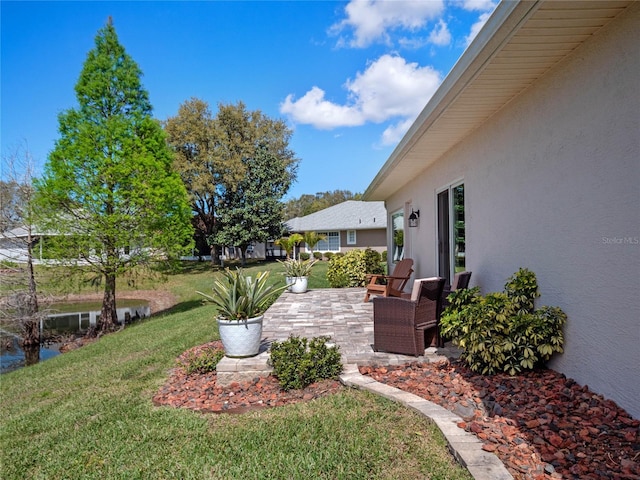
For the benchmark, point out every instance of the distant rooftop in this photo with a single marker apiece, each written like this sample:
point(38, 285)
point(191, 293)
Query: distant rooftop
point(349, 215)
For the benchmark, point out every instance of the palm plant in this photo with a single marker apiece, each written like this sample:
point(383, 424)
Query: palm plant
point(297, 268)
point(239, 297)
point(311, 239)
point(289, 243)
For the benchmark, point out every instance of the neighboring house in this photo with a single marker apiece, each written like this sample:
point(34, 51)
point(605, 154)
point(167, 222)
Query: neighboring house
point(346, 226)
point(13, 245)
point(528, 155)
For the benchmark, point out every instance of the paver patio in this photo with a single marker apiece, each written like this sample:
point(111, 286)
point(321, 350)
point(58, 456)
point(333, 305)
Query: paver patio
point(342, 315)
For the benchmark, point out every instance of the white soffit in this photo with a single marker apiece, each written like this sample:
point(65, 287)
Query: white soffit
point(518, 45)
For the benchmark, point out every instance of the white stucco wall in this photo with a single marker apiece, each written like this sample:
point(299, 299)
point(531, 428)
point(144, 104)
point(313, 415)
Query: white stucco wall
point(552, 183)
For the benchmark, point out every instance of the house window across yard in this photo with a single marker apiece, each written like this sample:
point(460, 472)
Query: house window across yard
point(331, 242)
point(351, 237)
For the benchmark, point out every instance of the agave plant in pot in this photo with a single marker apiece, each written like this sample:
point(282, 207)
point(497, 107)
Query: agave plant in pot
point(241, 301)
point(297, 273)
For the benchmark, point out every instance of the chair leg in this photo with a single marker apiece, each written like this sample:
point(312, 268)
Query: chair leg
point(431, 337)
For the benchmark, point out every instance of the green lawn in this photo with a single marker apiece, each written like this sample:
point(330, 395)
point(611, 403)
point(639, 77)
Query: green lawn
point(88, 414)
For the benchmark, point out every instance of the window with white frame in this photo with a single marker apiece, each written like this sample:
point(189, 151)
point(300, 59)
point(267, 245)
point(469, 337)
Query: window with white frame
point(351, 237)
point(331, 243)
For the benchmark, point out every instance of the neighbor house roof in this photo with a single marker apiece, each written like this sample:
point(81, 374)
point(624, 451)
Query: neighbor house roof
point(23, 232)
point(349, 215)
point(520, 42)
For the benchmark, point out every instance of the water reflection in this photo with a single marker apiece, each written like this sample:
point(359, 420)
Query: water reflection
point(67, 321)
point(13, 357)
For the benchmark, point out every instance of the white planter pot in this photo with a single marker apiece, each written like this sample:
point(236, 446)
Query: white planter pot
point(241, 339)
point(299, 284)
point(289, 281)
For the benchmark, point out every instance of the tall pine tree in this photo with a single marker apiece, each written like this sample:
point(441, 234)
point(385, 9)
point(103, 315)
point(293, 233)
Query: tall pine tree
point(109, 191)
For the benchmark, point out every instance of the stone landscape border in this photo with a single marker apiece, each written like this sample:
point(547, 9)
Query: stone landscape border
point(465, 447)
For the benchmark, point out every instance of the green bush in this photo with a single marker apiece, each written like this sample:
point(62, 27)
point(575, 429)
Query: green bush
point(351, 269)
point(504, 332)
point(298, 362)
point(304, 255)
point(204, 361)
point(383, 256)
point(317, 255)
point(328, 255)
point(372, 261)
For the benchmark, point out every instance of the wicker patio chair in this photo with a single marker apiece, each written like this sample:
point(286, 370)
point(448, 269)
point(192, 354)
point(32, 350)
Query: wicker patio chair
point(460, 281)
point(394, 282)
point(400, 325)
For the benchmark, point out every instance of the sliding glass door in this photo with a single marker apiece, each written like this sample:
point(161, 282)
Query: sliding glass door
point(451, 231)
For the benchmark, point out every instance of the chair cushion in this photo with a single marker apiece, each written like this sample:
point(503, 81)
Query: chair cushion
point(415, 293)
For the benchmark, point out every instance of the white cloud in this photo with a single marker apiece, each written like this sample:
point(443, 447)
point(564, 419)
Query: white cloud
point(440, 34)
point(476, 27)
point(313, 109)
point(479, 5)
point(394, 133)
point(389, 88)
point(371, 19)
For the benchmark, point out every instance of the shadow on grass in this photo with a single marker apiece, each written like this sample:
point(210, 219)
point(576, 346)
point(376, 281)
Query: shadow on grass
point(192, 266)
point(181, 307)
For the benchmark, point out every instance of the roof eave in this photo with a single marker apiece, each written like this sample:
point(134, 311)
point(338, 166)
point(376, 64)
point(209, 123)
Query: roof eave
point(498, 28)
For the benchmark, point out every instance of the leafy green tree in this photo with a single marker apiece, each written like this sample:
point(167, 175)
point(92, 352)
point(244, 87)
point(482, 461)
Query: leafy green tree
point(109, 189)
point(308, 204)
point(259, 168)
point(217, 158)
point(192, 136)
point(252, 212)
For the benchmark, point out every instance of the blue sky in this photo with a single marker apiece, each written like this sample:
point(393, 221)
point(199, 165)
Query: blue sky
point(348, 77)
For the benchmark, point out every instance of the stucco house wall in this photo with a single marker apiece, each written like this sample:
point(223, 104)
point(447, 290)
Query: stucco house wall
point(552, 183)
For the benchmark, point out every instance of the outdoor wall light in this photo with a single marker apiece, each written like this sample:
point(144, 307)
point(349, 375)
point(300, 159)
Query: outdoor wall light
point(414, 218)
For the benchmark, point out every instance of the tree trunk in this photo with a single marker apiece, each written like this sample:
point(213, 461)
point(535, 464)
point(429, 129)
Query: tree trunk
point(108, 314)
point(31, 354)
point(31, 332)
point(31, 325)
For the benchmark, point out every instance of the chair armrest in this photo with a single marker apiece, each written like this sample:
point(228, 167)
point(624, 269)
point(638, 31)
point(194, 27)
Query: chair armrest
point(394, 278)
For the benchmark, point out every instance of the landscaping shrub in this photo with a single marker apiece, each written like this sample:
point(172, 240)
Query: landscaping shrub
point(351, 269)
point(504, 332)
point(317, 255)
point(383, 256)
point(298, 362)
point(372, 261)
point(304, 255)
point(328, 255)
point(203, 361)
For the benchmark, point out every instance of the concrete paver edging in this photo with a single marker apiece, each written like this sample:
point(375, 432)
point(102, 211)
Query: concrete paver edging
point(465, 447)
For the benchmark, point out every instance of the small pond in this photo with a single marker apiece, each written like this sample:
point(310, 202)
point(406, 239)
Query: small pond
point(65, 321)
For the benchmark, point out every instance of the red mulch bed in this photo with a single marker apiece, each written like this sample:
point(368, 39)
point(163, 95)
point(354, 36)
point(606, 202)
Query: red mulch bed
point(540, 424)
point(200, 392)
